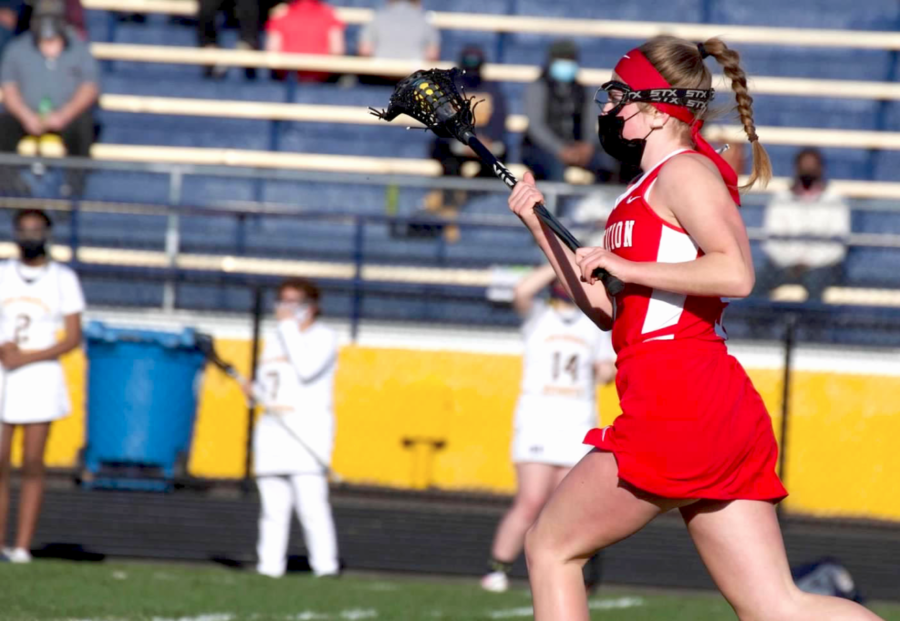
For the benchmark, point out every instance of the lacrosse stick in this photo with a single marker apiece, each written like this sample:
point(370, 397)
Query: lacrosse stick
point(432, 98)
point(206, 347)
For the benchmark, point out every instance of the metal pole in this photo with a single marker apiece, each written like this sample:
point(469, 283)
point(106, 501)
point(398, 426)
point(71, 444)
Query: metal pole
point(254, 361)
point(789, 337)
point(358, 253)
point(73, 230)
point(173, 239)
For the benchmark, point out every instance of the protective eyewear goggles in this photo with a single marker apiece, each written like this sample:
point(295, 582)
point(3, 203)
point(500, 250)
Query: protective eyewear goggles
point(617, 95)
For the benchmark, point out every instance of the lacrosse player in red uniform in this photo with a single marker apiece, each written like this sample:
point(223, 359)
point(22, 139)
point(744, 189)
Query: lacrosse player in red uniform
point(694, 434)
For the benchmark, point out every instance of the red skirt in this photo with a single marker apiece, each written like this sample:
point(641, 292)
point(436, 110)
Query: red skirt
point(692, 425)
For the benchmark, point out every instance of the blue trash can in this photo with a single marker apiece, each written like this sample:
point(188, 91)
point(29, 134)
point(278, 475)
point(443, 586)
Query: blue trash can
point(142, 393)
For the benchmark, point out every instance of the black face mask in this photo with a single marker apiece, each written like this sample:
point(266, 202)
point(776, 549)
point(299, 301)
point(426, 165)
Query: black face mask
point(808, 180)
point(32, 249)
point(610, 128)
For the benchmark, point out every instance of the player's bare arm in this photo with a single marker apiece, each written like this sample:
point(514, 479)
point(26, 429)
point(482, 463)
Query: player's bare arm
point(11, 357)
point(705, 210)
point(593, 301)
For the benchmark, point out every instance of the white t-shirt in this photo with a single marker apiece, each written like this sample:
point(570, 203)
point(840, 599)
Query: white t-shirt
point(826, 216)
point(34, 301)
point(560, 354)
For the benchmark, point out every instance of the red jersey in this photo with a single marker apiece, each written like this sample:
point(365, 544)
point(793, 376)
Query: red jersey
point(637, 233)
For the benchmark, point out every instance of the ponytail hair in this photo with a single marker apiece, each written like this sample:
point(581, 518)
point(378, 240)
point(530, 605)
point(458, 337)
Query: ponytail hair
point(731, 67)
point(680, 62)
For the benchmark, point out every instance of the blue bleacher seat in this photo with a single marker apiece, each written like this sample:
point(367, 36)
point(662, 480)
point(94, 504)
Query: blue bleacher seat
point(258, 90)
point(839, 163)
point(876, 221)
point(299, 239)
point(809, 111)
point(673, 11)
point(872, 267)
point(121, 292)
point(206, 191)
point(344, 197)
point(214, 297)
point(454, 41)
point(170, 130)
point(122, 230)
point(98, 25)
point(840, 14)
point(129, 187)
point(531, 49)
point(459, 6)
point(156, 31)
point(816, 63)
point(331, 94)
point(887, 166)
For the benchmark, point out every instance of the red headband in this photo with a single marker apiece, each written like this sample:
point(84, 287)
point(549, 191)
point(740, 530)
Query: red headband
point(640, 74)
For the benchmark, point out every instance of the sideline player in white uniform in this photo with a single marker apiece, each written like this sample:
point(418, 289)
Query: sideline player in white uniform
point(295, 382)
point(37, 298)
point(566, 356)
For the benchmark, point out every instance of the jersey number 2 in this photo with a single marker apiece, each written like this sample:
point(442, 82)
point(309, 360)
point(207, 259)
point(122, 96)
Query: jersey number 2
point(23, 322)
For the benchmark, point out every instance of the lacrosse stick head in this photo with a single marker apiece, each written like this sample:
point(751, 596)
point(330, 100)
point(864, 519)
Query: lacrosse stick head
point(433, 98)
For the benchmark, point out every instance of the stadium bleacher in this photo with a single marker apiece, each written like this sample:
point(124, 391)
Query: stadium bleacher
point(276, 237)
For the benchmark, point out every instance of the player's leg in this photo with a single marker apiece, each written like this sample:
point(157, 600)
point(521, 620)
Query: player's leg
point(740, 542)
point(559, 473)
point(535, 482)
point(6, 436)
point(591, 509)
point(275, 499)
point(32, 496)
point(314, 513)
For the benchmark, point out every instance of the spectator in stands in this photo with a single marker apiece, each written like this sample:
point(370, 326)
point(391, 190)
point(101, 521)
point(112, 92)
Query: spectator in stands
point(562, 119)
point(809, 208)
point(247, 14)
point(490, 124)
point(305, 27)
point(50, 84)
point(401, 29)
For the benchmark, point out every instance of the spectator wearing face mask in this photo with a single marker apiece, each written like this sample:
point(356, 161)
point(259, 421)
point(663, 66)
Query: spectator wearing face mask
point(808, 209)
point(562, 121)
point(456, 158)
point(490, 121)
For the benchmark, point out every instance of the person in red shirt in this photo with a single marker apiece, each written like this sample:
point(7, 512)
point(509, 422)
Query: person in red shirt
point(694, 434)
point(306, 27)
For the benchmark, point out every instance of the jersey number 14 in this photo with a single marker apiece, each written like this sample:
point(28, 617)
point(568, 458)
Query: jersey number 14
point(570, 368)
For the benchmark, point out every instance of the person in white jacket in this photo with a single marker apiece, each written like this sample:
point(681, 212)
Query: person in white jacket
point(293, 437)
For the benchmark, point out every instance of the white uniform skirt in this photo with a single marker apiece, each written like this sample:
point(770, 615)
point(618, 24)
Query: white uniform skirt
point(276, 451)
point(35, 393)
point(551, 430)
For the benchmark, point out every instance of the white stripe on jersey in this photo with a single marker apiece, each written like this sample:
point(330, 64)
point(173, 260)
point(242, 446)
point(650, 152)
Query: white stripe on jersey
point(665, 308)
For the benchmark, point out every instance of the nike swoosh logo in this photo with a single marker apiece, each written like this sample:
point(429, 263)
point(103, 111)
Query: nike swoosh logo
point(632, 199)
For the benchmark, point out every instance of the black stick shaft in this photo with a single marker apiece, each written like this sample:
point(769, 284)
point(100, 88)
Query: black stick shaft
point(613, 285)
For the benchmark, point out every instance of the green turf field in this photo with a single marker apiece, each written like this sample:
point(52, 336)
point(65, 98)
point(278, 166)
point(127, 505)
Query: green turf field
point(60, 591)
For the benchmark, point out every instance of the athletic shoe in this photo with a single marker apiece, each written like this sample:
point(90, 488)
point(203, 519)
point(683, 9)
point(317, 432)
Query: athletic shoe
point(19, 556)
point(495, 582)
point(331, 574)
